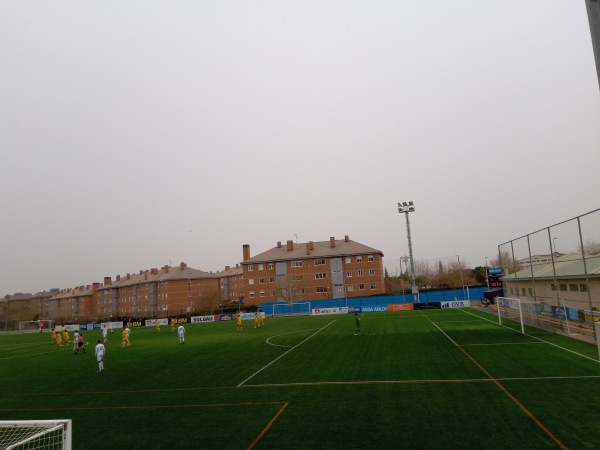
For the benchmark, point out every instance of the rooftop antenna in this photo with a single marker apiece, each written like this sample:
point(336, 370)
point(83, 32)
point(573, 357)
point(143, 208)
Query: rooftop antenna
point(296, 236)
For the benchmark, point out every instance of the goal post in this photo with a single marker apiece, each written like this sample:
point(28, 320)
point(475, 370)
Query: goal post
point(36, 434)
point(30, 326)
point(291, 309)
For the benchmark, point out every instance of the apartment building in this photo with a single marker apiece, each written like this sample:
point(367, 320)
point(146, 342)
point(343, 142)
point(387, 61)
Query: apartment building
point(159, 293)
point(231, 283)
point(314, 270)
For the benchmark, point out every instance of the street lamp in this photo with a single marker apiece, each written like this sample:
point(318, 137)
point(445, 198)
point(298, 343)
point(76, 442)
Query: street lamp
point(554, 241)
point(408, 208)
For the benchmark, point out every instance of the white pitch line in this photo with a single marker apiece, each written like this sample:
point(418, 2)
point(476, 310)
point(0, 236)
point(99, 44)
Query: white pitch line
point(29, 354)
point(420, 381)
point(283, 334)
point(285, 353)
point(506, 343)
point(534, 337)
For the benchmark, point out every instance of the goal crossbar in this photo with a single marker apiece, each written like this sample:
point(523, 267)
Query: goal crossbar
point(36, 434)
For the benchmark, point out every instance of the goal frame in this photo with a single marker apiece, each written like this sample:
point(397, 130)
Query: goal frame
point(47, 323)
point(291, 309)
point(45, 426)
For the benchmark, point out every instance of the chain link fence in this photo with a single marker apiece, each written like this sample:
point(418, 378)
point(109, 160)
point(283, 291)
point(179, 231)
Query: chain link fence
point(557, 269)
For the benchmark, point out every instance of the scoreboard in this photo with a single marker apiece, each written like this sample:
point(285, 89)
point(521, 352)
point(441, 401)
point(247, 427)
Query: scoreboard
point(494, 276)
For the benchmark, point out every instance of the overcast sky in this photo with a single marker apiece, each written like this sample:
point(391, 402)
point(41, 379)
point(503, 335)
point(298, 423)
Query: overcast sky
point(141, 133)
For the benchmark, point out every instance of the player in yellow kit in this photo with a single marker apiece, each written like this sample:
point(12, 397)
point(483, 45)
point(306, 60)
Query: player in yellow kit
point(157, 325)
point(53, 335)
point(59, 340)
point(65, 335)
point(261, 320)
point(173, 322)
point(239, 323)
point(256, 320)
point(124, 338)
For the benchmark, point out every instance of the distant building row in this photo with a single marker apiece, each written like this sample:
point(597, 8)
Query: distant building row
point(291, 272)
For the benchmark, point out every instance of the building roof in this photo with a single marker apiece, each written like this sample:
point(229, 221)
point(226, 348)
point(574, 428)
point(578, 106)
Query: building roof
point(230, 271)
point(311, 250)
point(568, 266)
point(167, 273)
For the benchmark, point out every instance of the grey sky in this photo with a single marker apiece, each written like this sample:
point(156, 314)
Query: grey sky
point(142, 132)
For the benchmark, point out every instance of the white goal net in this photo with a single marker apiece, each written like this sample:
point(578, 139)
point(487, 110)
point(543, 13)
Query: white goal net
point(35, 434)
point(536, 314)
point(31, 326)
point(291, 309)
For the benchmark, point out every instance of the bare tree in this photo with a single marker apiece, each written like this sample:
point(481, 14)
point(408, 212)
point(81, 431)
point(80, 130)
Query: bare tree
point(590, 247)
point(505, 261)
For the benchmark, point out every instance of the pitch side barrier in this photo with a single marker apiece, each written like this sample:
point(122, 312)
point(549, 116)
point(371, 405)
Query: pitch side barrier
point(449, 295)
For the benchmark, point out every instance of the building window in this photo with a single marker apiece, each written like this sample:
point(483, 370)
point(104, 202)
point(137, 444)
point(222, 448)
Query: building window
point(350, 287)
point(319, 262)
point(251, 294)
point(349, 274)
point(261, 266)
point(272, 293)
point(296, 263)
point(348, 260)
point(361, 287)
point(574, 287)
point(553, 287)
point(530, 291)
point(370, 258)
point(359, 259)
point(300, 291)
point(261, 293)
point(250, 267)
point(562, 287)
point(271, 266)
point(373, 286)
point(583, 287)
point(360, 273)
point(523, 291)
point(371, 272)
point(321, 289)
point(251, 281)
point(271, 279)
point(297, 277)
point(261, 280)
point(320, 276)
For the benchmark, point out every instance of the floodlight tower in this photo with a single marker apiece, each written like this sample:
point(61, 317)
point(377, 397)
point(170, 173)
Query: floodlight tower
point(406, 208)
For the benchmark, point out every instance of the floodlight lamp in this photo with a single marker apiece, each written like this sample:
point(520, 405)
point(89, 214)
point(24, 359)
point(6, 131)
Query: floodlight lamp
point(404, 203)
point(411, 208)
point(410, 203)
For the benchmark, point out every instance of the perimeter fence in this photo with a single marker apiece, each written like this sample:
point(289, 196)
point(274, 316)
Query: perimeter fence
point(558, 268)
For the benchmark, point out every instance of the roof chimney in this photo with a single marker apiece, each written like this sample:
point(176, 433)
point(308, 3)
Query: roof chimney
point(290, 246)
point(182, 266)
point(107, 281)
point(307, 248)
point(311, 245)
point(154, 271)
point(346, 238)
point(246, 252)
point(226, 267)
point(278, 244)
point(118, 278)
point(332, 241)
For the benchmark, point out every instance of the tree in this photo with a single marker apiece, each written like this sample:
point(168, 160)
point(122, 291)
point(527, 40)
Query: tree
point(590, 247)
point(505, 261)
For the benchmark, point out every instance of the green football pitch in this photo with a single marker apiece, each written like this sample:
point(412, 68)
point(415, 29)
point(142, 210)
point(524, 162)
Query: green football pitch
point(451, 379)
